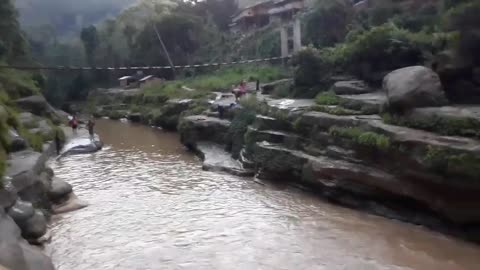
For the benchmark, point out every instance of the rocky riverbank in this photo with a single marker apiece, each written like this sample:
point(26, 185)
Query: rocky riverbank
point(31, 193)
point(418, 161)
point(403, 151)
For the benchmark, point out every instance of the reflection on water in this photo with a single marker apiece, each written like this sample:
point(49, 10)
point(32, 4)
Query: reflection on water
point(152, 207)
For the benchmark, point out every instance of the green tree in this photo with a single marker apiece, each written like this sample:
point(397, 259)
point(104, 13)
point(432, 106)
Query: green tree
point(12, 41)
point(89, 37)
point(328, 23)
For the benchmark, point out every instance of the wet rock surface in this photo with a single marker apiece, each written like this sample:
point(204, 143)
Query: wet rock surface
point(35, 226)
point(16, 253)
point(81, 143)
point(70, 203)
point(21, 211)
point(196, 128)
point(59, 189)
point(365, 103)
point(215, 158)
point(351, 88)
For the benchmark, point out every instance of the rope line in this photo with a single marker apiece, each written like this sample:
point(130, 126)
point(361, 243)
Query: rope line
point(138, 68)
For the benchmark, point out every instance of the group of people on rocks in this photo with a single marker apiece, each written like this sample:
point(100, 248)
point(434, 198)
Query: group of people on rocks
point(74, 123)
point(238, 91)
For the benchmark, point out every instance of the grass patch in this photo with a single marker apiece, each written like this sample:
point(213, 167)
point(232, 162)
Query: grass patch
point(442, 125)
point(34, 140)
point(220, 80)
point(327, 98)
point(336, 110)
point(362, 137)
point(115, 115)
point(445, 162)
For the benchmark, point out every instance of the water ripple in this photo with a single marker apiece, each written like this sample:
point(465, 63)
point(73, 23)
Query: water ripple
point(152, 207)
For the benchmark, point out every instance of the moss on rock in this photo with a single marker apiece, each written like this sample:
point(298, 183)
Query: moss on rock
point(448, 126)
point(362, 137)
point(447, 162)
point(336, 110)
point(327, 98)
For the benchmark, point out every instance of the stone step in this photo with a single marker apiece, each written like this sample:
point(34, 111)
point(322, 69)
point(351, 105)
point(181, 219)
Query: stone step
point(366, 181)
point(367, 103)
point(290, 105)
point(456, 120)
point(215, 158)
point(352, 87)
point(454, 160)
point(263, 122)
point(287, 139)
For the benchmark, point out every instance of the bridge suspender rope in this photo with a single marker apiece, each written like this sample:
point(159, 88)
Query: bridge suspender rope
point(67, 68)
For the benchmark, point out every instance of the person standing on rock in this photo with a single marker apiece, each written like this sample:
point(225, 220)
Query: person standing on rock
point(90, 126)
point(74, 124)
point(58, 141)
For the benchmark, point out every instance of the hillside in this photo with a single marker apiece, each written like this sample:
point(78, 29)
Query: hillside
point(67, 16)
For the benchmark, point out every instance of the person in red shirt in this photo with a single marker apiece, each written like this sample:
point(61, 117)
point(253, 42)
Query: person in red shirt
point(74, 124)
point(240, 90)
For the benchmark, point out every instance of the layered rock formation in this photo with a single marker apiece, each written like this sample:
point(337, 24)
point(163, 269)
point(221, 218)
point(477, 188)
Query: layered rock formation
point(418, 162)
point(30, 192)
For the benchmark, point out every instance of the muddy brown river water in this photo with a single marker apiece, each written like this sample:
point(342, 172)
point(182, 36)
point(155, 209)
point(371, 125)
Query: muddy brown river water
point(152, 207)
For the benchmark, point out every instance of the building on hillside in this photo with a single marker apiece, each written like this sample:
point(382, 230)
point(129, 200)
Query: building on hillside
point(126, 81)
point(149, 80)
point(131, 81)
point(285, 10)
point(281, 12)
point(251, 17)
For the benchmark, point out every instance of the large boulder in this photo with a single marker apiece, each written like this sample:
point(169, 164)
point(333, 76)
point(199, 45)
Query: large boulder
point(21, 211)
point(35, 259)
point(16, 142)
point(196, 128)
point(82, 144)
point(35, 226)
point(38, 105)
point(23, 172)
point(59, 189)
point(413, 87)
point(169, 115)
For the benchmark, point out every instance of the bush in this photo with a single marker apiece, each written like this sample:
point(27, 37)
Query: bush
point(382, 48)
point(327, 98)
point(115, 115)
point(328, 23)
point(237, 130)
point(17, 84)
point(464, 19)
point(34, 140)
point(311, 69)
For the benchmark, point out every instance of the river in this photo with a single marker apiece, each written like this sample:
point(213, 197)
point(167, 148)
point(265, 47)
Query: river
point(152, 207)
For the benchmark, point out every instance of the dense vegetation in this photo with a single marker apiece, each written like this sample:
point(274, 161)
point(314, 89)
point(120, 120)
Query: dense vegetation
point(16, 84)
point(370, 41)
